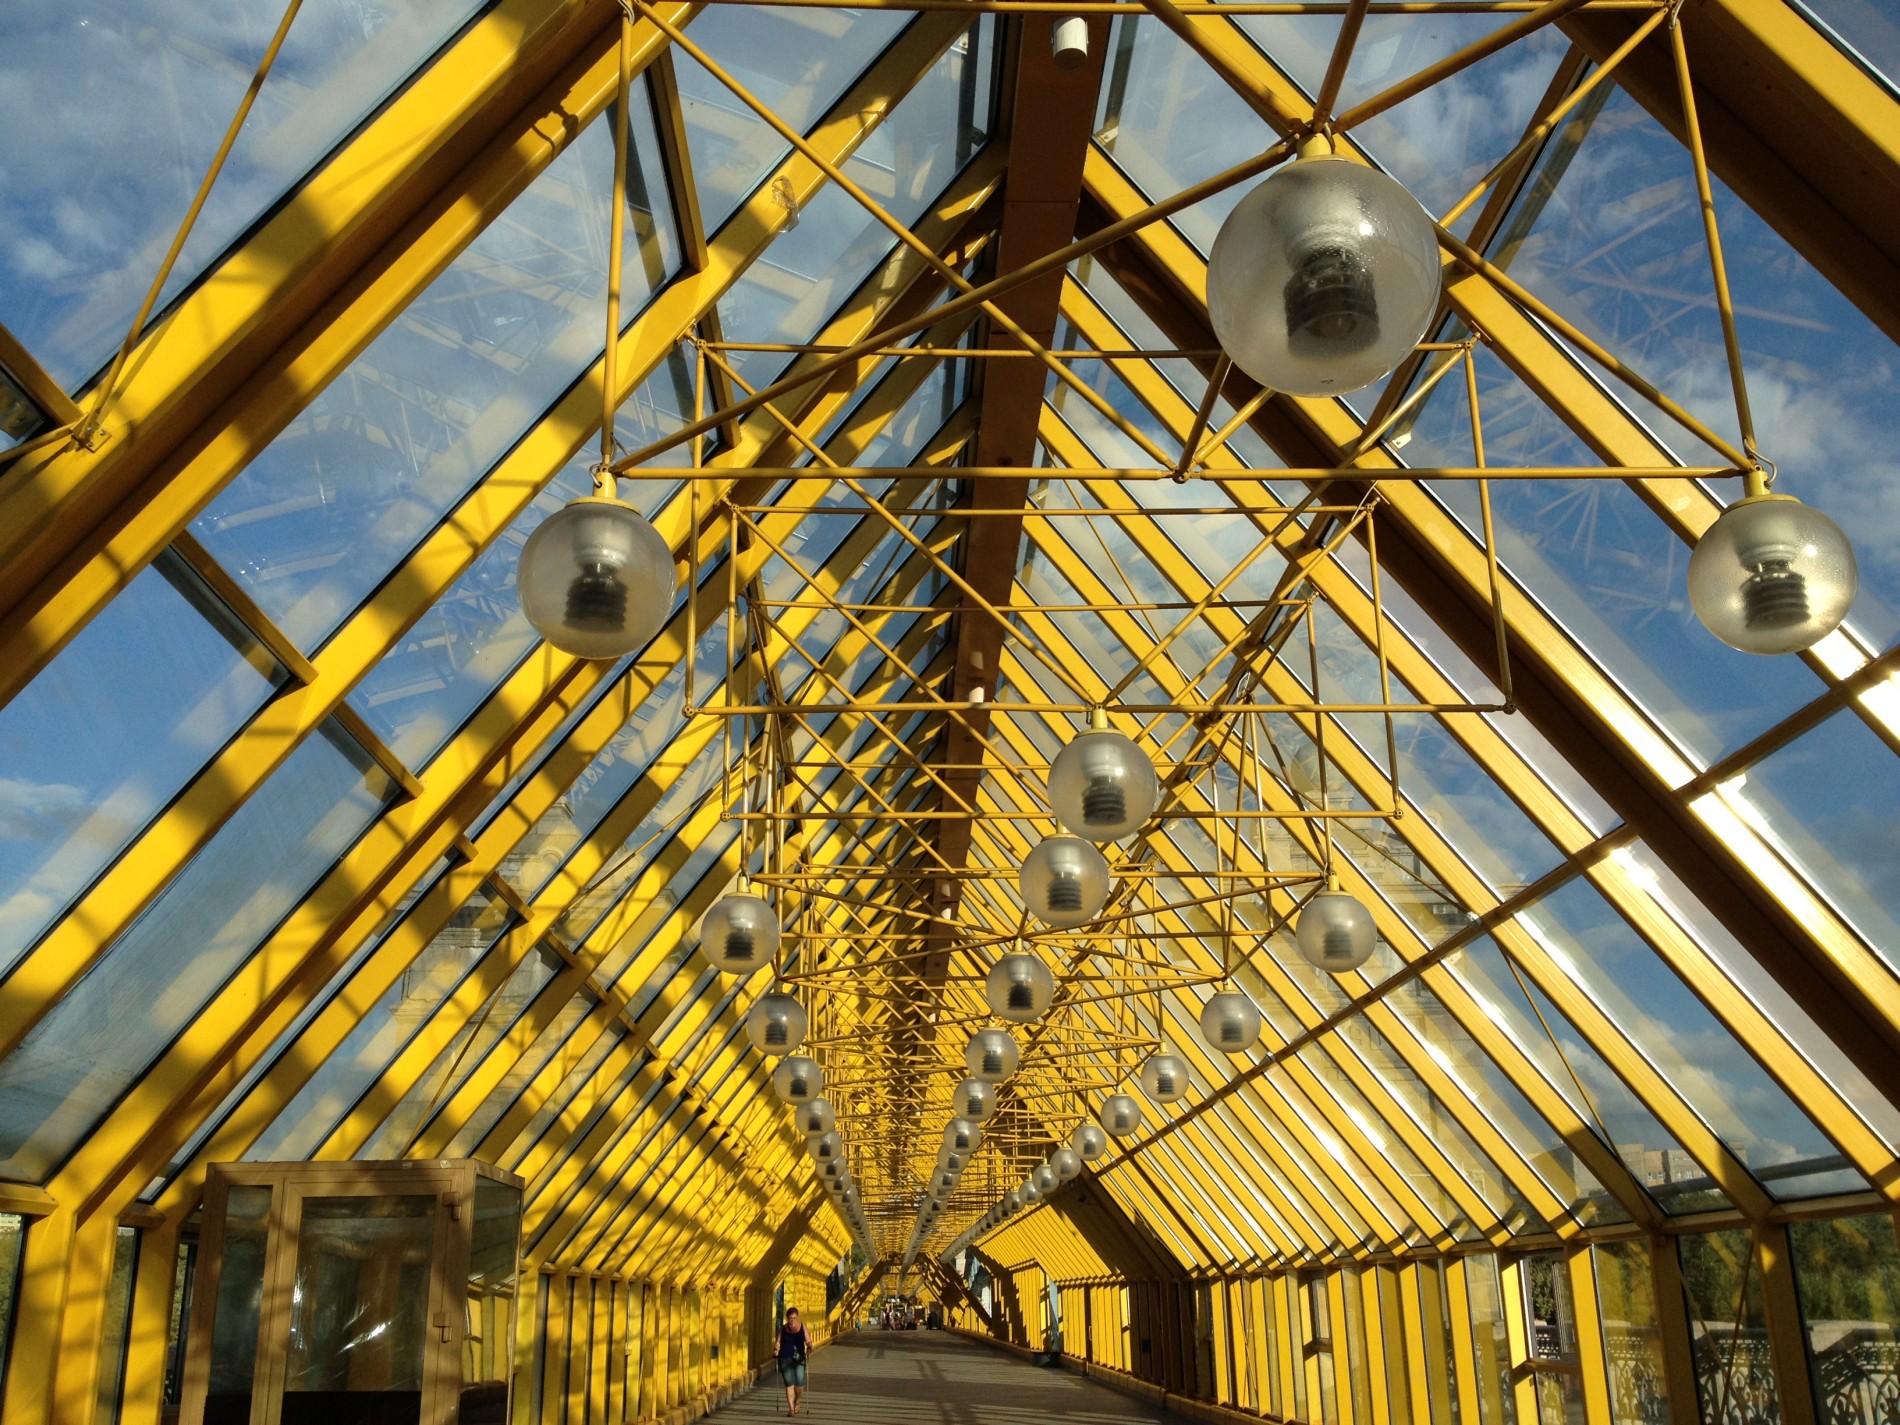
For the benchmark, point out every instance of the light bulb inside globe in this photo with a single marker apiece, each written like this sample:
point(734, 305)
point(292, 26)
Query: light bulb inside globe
point(1229, 1022)
point(992, 1055)
point(596, 580)
point(740, 933)
point(776, 1023)
point(1019, 987)
point(1066, 1162)
point(975, 1100)
point(1772, 575)
point(1335, 931)
point(1324, 277)
point(826, 1146)
point(1164, 1078)
point(1101, 786)
point(1121, 1115)
point(798, 1079)
point(817, 1118)
point(962, 1135)
point(1089, 1140)
point(1045, 1179)
point(1064, 881)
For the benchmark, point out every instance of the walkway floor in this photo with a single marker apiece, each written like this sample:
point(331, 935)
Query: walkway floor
point(934, 1378)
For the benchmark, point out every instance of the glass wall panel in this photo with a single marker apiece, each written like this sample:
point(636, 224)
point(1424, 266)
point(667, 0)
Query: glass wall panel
point(12, 1248)
point(1491, 1340)
point(1847, 1270)
point(107, 733)
point(118, 1319)
point(126, 108)
point(96, 1042)
point(395, 1017)
point(240, 1300)
point(1552, 1323)
point(1734, 1369)
point(1632, 1336)
point(337, 500)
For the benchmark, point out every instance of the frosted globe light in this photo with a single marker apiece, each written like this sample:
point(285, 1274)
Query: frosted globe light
point(798, 1079)
point(946, 1182)
point(1019, 986)
point(1164, 1078)
point(776, 1023)
point(993, 1055)
point(1066, 1163)
point(1030, 1193)
point(1064, 881)
point(950, 1161)
point(1102, 786)
point(1324, 277)
point(1045, 1179)
point(832, 1169)
point(1012, 1202)
point(740, 933)
point(596, 580)
point(1121, 1115)
point(817, 1118)
point(1772, 575)
point(975, 1100)
point(826, 1146)
point(1335, 931)
point(962, 1135)
point(1089, 1141)
point(1229, 1023)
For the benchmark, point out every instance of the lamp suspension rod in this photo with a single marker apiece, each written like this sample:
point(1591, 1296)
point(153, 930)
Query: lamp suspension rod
point(1718, 266)
point(617, 228)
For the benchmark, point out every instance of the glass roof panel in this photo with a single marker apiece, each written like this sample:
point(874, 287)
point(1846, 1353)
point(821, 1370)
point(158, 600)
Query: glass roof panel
point(125, 109)
point(1719, 1078)
point(104, 737)
point(1864, 29)
point(95, 1043)
point(318, 519)
point(580, 1047)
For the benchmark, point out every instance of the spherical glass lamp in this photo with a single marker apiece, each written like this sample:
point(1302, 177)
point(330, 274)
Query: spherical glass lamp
point(1019, 986)
point(1324, 277)
point(1164, 1078)
point(975, 1100)
point(962, 1135)
point(950, 1161)
point(1012, 1202)
point(740, 933)
point(1101, 785)
point(1121, 1115)
point(993, 1055)
point(1229, 1023)
point(798, 1079)
point(826, 1146)
point(1045, 1179)
point(1031, 1194)
point(1089, 1141)
point(1066, 1163)
point(1064, 881)
point(817, 1118)
point(1772, 575)
point(776, 1023)
point(832, 1169)
point(1335, 931)
point(596, 580)
point(946, 1183)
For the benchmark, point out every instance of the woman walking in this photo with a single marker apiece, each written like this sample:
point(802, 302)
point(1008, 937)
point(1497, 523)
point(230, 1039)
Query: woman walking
point(794, 1344)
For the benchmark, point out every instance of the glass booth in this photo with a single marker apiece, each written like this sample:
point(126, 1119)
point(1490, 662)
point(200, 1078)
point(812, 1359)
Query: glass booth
point(377, 1293)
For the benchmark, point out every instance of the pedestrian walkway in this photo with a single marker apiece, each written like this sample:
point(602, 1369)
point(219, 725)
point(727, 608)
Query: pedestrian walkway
point(933, 1378)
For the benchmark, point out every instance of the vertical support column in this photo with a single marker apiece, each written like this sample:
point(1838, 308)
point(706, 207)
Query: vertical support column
point(1513, 1277)
point(1672, 1325)
point(1468, 1383)
point(1787, 1336)
point(1418, 1378)
point(560, 1290)
point(1587, 1314)
point(150, 1333)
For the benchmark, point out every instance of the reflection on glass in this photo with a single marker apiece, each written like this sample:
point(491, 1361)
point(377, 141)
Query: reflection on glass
point(118, 1319)
point(175, 958)
point(1552, 1320)
point(1632, 1339)
point(105, 736)
point(359, 1310)
point(1438, 1342)
point(1734, 1367)
point(1847, 1271)
point(240, 1300)
point(488, 1351)
point(1491, 1337)
point(126, 107)
point(1866, 29)
point(12, 1247)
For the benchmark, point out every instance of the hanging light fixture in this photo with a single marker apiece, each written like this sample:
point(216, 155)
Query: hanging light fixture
point(817, 1118)
point(974, 1100)
point(1045, 1179)
point(1164, 1078)
point(826, 1146)
point(1089, 1141)
point(1323, 277)
point(1101, 786)
point(1772, 575)
point(1121, 1115)
point(740, 933)
point(1064, 881)
point(1066, 1163)
point(798, 1079)
point(776, 1023)
point(1019, 986)
point(596, 580)
point(1031, 1194)
point(1335, 931)
point(1012, 1202)
point(962, 1135)
point(950, 1161)
point(992, 1055)
point(1229, 1022)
